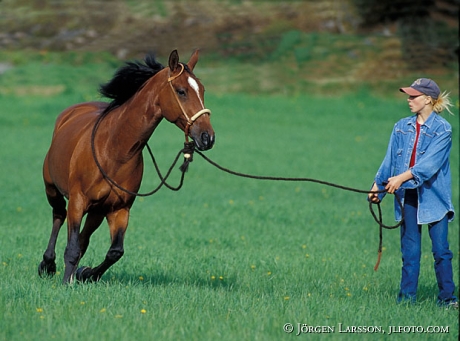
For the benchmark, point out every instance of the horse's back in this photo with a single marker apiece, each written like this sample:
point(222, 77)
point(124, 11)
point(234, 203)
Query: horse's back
point(79, 112)
point(73, 124)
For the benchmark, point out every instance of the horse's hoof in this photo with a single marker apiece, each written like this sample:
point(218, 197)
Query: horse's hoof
point(80, 274)
point(46, 269)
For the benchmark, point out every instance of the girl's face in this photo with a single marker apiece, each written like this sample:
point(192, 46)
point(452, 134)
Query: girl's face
point(419, 104)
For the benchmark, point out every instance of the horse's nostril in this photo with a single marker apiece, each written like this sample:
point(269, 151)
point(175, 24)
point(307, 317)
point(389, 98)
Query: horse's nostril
point(207, 140)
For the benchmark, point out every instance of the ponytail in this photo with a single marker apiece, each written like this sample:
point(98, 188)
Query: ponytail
point(441, 103)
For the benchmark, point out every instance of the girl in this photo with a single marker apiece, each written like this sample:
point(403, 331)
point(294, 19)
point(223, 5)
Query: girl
point(416, 167)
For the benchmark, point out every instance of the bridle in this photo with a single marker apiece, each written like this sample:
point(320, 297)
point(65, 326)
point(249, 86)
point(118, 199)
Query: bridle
point(190, 120)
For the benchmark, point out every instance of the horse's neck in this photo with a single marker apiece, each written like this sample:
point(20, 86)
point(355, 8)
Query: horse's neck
point(132, 124)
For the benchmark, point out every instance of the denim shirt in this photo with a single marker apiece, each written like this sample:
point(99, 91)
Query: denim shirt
point(431, 172)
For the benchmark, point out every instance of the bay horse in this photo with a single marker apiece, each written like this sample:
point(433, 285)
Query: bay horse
point(141, 94)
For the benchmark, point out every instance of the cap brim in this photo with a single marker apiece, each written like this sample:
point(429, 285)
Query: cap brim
point(411, 91)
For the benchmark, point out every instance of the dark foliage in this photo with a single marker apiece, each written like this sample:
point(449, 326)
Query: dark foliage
point(426, 40)
point(385, 11)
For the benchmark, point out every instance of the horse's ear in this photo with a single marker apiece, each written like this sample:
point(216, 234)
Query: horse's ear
point(193, 60)
point(173, 60)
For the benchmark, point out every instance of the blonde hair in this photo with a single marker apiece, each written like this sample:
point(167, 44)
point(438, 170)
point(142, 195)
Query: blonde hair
point(441, 103)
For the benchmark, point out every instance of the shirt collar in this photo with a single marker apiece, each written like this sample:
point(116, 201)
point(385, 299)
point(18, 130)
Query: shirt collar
point(428, 123)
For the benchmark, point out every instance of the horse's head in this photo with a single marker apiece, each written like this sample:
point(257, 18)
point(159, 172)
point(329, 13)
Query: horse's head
point(185, 97)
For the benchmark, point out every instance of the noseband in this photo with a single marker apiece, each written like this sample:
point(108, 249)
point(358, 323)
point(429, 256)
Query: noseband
point(190, 120)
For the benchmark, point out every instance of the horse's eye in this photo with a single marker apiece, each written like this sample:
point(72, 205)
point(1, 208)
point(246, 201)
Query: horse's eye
point(181, 92)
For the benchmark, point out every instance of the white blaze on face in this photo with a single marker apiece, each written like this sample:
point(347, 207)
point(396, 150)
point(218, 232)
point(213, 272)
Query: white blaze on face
point(194, 86)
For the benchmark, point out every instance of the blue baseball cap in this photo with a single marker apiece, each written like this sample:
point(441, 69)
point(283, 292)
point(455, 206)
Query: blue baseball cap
point(423, 86)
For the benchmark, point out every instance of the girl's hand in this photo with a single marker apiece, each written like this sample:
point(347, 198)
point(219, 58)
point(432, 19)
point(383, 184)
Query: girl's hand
point(374, 197)
point(396, 181)
point(393, 184)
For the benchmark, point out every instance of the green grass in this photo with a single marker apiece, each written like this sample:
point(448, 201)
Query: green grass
point(225, 258)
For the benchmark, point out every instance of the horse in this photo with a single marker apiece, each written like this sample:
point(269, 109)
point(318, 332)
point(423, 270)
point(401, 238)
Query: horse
point(141, 94)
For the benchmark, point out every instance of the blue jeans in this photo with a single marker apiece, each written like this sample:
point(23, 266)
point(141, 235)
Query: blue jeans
point(411, 240)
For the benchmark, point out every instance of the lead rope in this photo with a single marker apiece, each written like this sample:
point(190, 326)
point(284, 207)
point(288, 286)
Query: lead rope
point(189, 149)
point(378, 219)
point(381, 225)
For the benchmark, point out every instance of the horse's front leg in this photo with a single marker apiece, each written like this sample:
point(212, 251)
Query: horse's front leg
point(118, 222)
point(72, 252)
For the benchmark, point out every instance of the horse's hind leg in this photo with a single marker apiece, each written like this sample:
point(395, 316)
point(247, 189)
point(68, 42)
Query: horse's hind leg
point(57, 202)
point(118, 222)
point(93, 221)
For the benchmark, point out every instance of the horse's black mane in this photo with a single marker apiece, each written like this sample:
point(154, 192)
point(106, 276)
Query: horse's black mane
point(128, 80)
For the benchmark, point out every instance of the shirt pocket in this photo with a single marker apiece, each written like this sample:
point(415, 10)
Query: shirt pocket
point(424, 143)
point(399, 162)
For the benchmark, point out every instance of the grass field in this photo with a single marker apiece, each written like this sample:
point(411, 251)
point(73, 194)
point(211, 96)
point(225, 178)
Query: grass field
point(225, 258)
